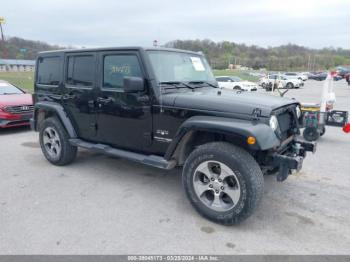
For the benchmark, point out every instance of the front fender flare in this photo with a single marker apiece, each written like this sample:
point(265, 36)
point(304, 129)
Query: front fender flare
point(265, 136)
point(59, 111)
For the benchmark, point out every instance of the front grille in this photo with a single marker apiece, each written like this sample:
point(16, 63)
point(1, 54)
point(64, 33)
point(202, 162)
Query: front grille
point(287, 121)
point(22, 109)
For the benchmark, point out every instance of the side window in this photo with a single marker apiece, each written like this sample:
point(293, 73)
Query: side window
point(49, 70)
point(221, 79)
point(80, 70)
point(116, 67)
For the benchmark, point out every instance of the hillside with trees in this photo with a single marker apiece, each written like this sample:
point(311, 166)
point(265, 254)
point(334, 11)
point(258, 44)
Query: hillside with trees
point(283, 58)
point(220, 54)
point(18, 48)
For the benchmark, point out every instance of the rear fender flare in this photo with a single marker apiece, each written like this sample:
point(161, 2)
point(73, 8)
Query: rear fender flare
point(59, 112)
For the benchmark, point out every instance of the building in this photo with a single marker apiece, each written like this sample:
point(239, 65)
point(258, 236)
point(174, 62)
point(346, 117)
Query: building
point(15, 65)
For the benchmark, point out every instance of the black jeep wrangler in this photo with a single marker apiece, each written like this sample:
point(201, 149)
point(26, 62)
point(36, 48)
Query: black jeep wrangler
point(162, 107)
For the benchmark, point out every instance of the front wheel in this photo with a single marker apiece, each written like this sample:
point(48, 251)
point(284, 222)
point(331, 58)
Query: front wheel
point(223, 182)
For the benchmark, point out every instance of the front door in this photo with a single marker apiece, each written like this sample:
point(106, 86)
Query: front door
point(78, 98)
point(123, 119)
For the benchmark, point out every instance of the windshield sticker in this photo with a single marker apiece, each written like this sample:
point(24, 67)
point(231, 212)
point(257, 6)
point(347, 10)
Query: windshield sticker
point(197, 64)
point(3, 84)
point(124, 69)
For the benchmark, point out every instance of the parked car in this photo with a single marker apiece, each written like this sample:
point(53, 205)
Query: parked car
point(300, 76)
point(347, 78)
point(278, 81)
point(16, 106)
point(342, 71)
point(297, 78)
point(234, 82)
point(225, 141)
point(319, 76)
point(322, 76)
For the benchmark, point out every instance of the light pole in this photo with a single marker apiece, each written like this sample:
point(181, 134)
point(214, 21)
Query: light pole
point(2, 20)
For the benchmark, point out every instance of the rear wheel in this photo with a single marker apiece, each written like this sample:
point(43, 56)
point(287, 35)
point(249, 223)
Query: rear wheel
point(237, 88)
point(323, 131)
point(311, 133)
point(54, 142)
point(223, 182)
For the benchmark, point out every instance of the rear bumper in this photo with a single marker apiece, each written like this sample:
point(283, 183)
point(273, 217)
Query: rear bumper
point(291, 159)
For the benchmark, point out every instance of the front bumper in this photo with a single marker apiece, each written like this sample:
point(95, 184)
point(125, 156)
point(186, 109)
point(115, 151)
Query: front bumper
point(291, 159)
point(13, 123)
point(12, 120)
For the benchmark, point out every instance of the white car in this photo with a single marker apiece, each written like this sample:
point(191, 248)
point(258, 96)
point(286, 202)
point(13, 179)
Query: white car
point(234, 82)
point(300, 76)
point(279, 81)
point(301, 81)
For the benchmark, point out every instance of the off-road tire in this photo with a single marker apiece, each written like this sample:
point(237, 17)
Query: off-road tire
point(311, 134)
point(323, 131)
point(246, 170)
point(68, 152)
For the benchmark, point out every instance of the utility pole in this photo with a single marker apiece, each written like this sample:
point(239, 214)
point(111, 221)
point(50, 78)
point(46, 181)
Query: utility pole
point(2, 20)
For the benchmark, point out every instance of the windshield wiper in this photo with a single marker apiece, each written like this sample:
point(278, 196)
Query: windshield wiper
point(203, 82)
point(177, 84)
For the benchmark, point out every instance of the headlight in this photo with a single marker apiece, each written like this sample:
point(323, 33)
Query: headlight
point(273, 123)
point(298, 112)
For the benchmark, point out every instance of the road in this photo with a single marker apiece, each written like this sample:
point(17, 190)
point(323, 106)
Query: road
point(103, 205)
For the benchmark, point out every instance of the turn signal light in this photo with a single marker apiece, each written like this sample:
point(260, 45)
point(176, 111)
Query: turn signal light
point(251, 140)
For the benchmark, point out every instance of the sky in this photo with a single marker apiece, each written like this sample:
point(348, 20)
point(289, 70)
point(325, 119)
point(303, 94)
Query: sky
point(94, 23)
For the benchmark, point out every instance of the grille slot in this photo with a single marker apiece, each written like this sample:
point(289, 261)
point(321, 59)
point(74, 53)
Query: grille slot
point(22, 109)
point(287, 122)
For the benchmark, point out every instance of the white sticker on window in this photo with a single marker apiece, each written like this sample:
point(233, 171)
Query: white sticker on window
point(197, 64)
point(4, 84)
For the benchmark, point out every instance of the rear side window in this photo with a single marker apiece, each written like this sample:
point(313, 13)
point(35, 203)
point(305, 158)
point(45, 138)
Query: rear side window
point(49, 70)
point(80, 70)
point(116, 67)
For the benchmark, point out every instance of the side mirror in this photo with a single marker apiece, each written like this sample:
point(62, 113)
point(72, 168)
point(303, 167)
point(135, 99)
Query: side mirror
point(133, 84)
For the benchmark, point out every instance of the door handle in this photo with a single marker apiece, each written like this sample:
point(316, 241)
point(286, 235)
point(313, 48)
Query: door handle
point(68, 96)
point(104, 100)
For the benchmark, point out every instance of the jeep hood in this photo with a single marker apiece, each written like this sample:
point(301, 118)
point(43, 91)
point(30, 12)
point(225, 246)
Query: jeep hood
point(226, 101)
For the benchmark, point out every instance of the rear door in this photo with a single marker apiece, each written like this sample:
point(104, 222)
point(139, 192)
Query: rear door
point(79, 93)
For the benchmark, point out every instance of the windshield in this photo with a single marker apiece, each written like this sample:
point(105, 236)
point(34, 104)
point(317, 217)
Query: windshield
point(180, 67)
point(8, 89)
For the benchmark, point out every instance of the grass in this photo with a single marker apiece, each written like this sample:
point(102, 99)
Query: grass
point(242, 74)
point(24, 80)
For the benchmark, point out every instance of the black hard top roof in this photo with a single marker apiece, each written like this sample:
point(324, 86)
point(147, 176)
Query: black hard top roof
point(126, 48)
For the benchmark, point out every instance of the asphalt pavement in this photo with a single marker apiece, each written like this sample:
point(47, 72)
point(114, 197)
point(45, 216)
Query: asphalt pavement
point(104, 205)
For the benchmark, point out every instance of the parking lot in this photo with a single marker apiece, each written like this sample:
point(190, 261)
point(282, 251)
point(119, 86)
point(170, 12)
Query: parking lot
point(103, 205)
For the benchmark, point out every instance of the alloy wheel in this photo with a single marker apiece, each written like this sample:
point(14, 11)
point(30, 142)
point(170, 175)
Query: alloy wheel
point(216, 185)
point(52, 142)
